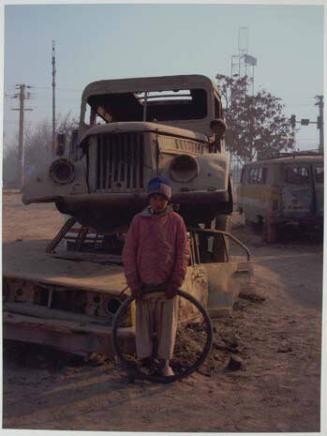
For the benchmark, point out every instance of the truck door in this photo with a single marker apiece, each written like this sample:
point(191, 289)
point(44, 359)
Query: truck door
point(297, 191)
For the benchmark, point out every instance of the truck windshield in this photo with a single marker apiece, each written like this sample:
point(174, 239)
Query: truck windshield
point(297, 175)
point(185, 104)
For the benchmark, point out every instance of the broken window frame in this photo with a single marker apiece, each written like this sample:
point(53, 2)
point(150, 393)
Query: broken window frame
point(153, 100)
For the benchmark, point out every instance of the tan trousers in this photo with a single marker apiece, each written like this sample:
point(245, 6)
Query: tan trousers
point(158, 315)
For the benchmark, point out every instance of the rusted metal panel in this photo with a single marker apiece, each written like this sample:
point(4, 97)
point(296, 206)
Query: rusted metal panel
point(41, 188)
point(64, 335)
point(29, 262)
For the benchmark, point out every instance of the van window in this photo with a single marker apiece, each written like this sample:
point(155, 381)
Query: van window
point(319, 174)
point(257, 175)
point(296, 175)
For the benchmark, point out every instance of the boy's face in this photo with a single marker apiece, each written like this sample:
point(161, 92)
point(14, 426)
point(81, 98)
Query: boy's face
point(158, 202)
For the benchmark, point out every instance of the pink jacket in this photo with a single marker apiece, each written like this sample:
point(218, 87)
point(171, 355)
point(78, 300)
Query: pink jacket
point(156, 250)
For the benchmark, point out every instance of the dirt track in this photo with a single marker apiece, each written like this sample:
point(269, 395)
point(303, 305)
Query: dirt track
point(278, 340)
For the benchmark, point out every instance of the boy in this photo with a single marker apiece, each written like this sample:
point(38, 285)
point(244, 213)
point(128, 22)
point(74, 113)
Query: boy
point(155, 256)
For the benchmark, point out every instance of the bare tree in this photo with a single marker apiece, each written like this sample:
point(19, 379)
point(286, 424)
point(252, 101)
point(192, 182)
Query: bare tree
point(39, 150)
point(10, 167)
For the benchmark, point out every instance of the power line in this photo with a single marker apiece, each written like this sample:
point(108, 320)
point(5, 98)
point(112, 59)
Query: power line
point(47, 97)
point(298, 104)
point(58, 88)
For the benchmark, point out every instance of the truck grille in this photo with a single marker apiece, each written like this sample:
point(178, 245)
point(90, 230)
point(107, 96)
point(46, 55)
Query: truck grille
point(120, 162)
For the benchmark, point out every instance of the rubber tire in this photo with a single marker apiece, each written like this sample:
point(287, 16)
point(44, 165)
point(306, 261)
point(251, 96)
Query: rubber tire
point(162, 379)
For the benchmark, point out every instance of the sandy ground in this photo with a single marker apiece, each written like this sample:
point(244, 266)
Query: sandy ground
point(278, 341)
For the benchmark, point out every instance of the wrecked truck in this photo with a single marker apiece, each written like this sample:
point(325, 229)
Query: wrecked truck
point(284, 191)
point(66, 295)
point(130, 131)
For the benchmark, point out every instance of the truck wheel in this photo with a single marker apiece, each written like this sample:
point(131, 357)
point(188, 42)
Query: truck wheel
point(193, 342)
point(221, 244)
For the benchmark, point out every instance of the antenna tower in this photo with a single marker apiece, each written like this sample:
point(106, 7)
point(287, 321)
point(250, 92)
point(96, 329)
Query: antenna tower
point(243, 64)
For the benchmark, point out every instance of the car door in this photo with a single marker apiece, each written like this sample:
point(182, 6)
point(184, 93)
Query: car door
point(195, 282)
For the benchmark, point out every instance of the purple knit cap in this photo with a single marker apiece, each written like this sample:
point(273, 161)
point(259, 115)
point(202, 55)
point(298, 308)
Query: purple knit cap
point(160, 185)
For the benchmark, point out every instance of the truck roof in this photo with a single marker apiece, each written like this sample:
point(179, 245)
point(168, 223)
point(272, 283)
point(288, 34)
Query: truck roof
point(288, 159)
point(149, 83)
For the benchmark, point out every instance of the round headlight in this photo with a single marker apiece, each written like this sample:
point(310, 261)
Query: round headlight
point(183, 168)
point(62, 171)
point(112, 305)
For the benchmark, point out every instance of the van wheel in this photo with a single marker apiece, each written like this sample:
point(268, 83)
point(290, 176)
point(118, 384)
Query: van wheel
point(221, 245)
point(258, 226)
point(269, 231)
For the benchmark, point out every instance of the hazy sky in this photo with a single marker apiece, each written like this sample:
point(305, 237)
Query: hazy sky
point(119, 40)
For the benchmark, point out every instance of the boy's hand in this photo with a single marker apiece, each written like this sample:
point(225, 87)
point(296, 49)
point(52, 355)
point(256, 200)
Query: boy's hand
point(171, 291)
point(137, 293)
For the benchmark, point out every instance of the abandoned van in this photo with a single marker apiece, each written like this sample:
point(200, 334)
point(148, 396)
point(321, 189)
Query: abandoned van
point(287, 190)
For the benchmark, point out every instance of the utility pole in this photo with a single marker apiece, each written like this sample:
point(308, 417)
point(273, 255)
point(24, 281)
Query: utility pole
point(53, 95)
point(22, 95)
point(320, 121)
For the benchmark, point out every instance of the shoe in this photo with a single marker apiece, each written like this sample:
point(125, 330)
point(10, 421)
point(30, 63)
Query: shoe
point(167, 371)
